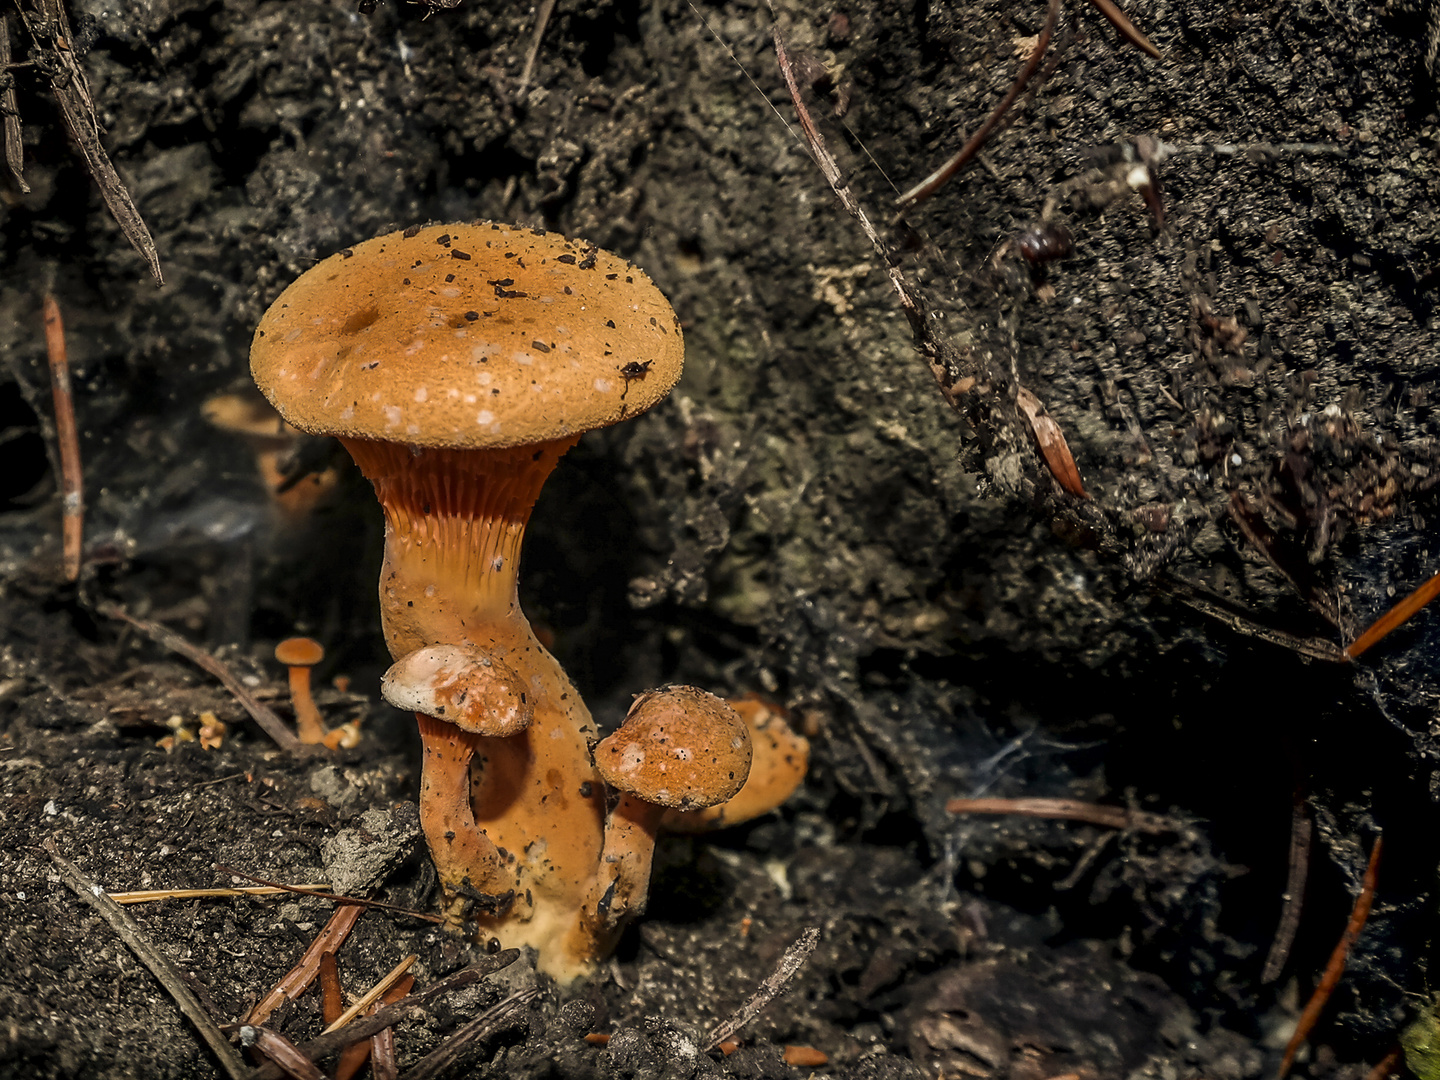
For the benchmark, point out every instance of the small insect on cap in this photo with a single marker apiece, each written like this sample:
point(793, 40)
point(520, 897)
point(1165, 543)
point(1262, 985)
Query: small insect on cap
point(467, 336)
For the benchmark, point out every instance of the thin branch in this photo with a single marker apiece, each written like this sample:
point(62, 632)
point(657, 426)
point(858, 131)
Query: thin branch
point(1400, 613)
point(542, 17)
point(321, 894)
point(262, 715)
point(791, 962)
point(10, 114)
point(294, 982)
point(72, 481)
point(49, 29)
point(373, 994)
point(936, 180)
point(170, 978)
point(1301, 829)
point(1127, 29)
point(412, 1007)
point(1208, 604)
point(929, 346)
point(1336, 967)
point(146, 896)
point(486, 1024)
point(281, 1051)
point(1109, 817)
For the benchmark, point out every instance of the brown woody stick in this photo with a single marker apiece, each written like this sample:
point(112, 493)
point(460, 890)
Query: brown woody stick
point(72, 482)
point(936, 180)
point(1398, 614)
point(1336, 967)
point(1109, 817)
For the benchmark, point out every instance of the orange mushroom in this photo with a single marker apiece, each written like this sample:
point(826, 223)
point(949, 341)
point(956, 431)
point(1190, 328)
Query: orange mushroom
point(272, 441)
point(457, 363)
point(300, 654)
point(781, 758)
point(679, 749)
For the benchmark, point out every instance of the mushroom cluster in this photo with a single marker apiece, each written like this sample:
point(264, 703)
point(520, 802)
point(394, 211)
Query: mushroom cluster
point(456, 364)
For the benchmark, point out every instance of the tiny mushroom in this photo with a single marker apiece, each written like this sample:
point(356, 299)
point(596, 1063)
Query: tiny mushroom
point(679, 748)
point(300, 654)
point(272, 441)
point(456, 364)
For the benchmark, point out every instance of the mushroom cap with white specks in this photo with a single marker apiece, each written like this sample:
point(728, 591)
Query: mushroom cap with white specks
point(467, 335)
point(679, 747)
point(462, 685)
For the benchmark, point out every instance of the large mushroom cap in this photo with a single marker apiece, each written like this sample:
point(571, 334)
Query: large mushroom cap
point(474, 335)
point(678, 747)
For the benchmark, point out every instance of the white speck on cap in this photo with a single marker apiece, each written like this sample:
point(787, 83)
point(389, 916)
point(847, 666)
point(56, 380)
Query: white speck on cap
point(485, 417)
point(421, 394)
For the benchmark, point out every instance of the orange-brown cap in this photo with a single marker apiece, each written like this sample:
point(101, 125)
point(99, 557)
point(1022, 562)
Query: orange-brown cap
point(678, 747)
point(462, 685)
point(299, 652)
point(473, 335)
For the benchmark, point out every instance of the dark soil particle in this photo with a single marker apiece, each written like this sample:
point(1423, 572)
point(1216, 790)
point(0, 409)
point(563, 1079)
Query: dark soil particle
point(1247, 390)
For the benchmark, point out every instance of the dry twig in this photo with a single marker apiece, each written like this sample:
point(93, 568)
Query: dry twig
point(1301, 829)
point(372, 995)
point(1217, 608)
point(10, 113)
point(938, 356)
point(302, 974)
point(1336, 967)
point(265, 717)
point(936, 180)
point(1127, 29)
point(281, 1051)
point(159, 965)
point(322, 894)
point(379, 1049)
point(543, 11)
point(1109, 817)
point(49, 29)
point(411, 1008)
point(146, 896)
point(486, 1024)
point(791, 962)
point(72, 482)
point(1393, 618)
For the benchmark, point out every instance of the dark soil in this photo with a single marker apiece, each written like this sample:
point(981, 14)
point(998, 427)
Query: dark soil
point(1248, 392)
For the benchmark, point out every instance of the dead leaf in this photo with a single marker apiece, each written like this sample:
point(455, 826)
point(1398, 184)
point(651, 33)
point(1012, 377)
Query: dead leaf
point(1051, 441)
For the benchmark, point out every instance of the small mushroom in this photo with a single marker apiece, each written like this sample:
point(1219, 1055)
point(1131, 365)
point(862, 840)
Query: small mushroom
point(782, 757)
point(463, 701)
point(272, 441)
point(679, 748)
point(300, 654)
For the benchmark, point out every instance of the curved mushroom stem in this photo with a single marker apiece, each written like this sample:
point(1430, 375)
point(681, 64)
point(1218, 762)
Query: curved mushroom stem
point(461, 851)
point(308, 723)
point(622, 882)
